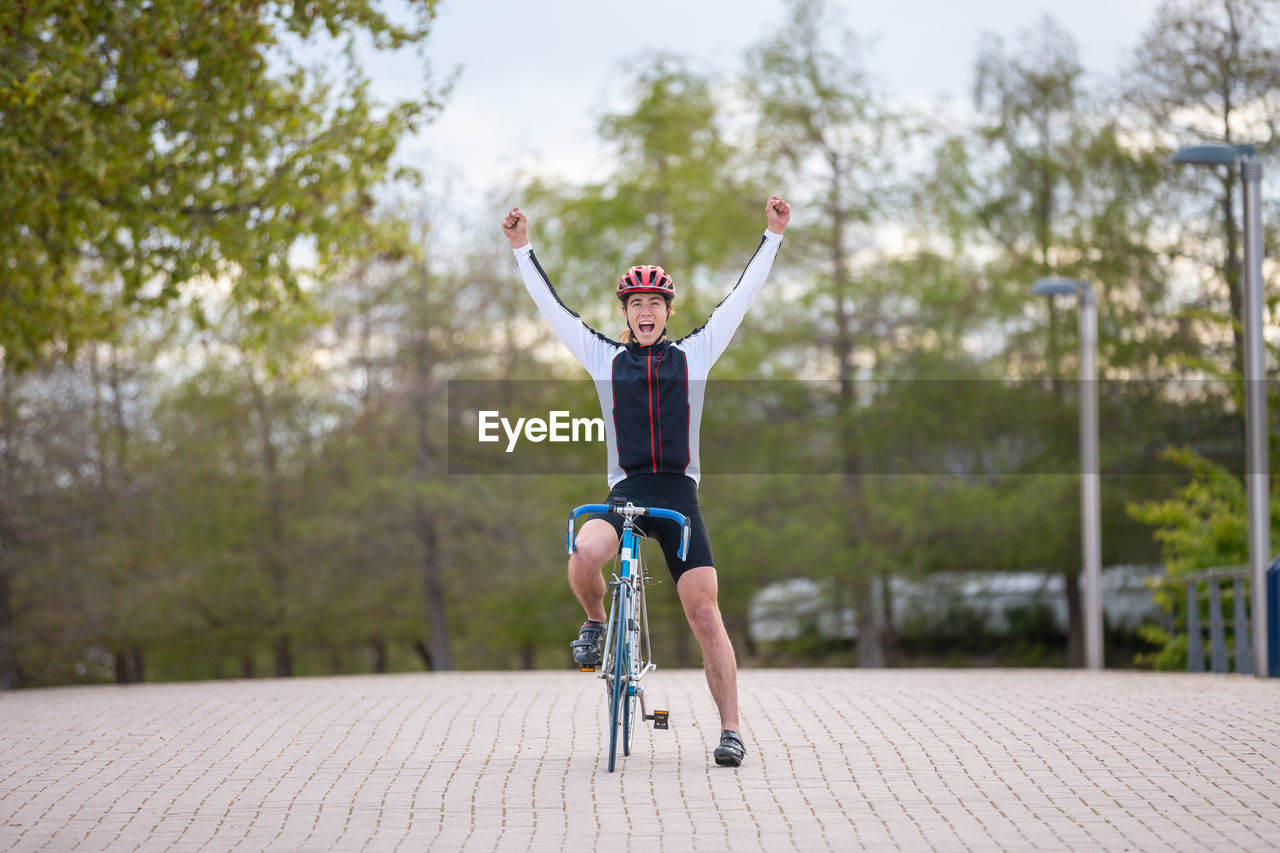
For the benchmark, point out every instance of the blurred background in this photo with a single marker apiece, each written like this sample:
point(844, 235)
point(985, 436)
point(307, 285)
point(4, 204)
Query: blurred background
point(251, 250)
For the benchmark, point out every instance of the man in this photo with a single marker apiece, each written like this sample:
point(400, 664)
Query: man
point(651, 395)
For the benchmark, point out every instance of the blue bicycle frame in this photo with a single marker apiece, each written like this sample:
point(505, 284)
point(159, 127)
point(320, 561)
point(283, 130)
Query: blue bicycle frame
point(623, 664)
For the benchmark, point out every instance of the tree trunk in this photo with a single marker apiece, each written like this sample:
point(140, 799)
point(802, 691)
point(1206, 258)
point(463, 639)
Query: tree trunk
point(10, 676)
point(284, 656)
point(129, 666)
point(870, 642)
point(428, 536)
point(684, 648)
point(1233, 272)
point(120, 665)
point(273, 557)
point(441, 653)
point(1075, 619)
point(742, 638)
point(870, 639)
point(424, 653)
point(889, 637)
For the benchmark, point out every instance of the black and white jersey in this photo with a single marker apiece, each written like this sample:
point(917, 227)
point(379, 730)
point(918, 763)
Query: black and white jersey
point(651, 397)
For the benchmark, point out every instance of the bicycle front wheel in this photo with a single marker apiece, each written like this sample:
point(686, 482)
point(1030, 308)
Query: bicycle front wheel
point(620, 671)
point(631, 648)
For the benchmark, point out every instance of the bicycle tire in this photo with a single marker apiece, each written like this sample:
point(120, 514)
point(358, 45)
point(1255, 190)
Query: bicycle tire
point(632, 650)
point(628, 695)
point(629, 698)
point(618, 689)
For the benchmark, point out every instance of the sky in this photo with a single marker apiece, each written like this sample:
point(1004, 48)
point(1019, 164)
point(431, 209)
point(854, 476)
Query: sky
point(534, 78)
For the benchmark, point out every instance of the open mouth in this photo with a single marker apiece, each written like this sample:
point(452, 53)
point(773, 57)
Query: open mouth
point(646, 327)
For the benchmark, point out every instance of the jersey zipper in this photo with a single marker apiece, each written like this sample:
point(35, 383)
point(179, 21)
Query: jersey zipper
point(657, 391)
point(653, 456)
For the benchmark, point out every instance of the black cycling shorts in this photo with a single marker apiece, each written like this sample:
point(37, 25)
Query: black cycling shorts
point(666, 491)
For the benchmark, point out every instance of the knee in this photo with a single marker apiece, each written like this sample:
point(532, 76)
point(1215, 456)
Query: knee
point(592, 550)
point(704, 618)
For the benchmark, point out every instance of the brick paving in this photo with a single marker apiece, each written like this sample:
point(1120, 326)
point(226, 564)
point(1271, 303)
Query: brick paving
point(839, 760)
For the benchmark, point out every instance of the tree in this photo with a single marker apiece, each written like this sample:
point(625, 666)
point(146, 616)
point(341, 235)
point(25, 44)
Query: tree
point(1057, 189)
point(1202, 526)
point(823, 127)
point(144, 146)
point(419, 322)
point(1211, 68)
point(680, 197)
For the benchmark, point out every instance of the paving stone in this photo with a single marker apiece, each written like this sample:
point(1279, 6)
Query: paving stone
point(838, 760)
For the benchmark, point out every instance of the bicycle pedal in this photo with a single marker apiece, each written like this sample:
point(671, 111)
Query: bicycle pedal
point(586, 667)
point(660, 719)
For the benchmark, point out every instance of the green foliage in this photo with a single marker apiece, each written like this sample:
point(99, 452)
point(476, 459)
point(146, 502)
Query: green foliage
point(1210, 69)
point(1170, 649)
point(241, 475)
point(680, 196)
point(1202, 526)
point(144, 146)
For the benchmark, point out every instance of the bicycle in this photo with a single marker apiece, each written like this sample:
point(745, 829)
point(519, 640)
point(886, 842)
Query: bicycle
point(628, 653)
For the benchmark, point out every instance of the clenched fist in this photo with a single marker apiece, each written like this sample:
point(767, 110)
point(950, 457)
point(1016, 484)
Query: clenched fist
point(778, 213)
point(516, 226)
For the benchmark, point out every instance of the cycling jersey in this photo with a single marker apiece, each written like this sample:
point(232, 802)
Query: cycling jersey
point(651, 397)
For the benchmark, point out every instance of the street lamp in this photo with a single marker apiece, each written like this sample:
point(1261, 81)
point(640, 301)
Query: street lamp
point(1090, 490)
point(1257, 466)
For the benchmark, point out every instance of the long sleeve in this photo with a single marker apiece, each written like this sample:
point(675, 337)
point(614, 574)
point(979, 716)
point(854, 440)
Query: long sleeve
point(708, 342)
point(591, 348)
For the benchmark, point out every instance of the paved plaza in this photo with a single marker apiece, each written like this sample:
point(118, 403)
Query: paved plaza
point(839, 760)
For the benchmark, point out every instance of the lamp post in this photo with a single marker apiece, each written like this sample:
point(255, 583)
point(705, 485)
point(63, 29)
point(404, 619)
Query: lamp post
point(1090, 488)
point(1257, 465)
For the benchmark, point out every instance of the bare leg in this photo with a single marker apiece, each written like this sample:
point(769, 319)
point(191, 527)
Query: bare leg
point(698, 589)
point(594, 546)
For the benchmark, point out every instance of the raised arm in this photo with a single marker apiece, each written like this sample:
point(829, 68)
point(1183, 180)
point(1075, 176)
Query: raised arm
point(592, 349)
point(708, 342)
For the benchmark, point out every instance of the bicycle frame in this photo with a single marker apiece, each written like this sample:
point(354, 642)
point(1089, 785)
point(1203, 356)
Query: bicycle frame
point(621, 673)
point(630, 572)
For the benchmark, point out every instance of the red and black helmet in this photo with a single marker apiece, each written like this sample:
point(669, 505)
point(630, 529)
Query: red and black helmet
point(646, 278)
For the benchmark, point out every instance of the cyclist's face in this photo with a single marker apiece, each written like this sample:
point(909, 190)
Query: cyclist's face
point(646, 316)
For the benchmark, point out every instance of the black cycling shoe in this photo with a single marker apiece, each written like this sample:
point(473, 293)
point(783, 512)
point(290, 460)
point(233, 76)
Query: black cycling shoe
point(587, 648)
point(731, 750)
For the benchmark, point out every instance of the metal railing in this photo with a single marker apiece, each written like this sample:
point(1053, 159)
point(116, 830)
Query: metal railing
point(1237, 578)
